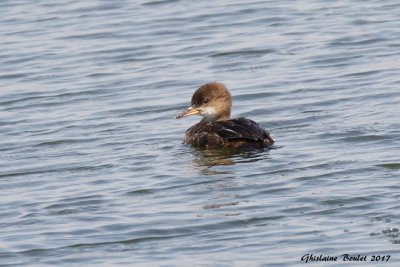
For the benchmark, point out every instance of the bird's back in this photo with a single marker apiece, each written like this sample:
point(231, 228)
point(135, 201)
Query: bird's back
point(228, 133)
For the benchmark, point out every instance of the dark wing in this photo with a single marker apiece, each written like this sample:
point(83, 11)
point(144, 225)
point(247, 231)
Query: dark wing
point(244, 129)
point(221, 133)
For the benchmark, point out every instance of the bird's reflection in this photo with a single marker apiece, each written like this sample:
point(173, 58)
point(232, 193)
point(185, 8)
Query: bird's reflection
point(218, 165)
point(205, 159)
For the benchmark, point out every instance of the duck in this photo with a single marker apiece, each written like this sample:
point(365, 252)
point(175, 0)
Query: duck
point(216, 129)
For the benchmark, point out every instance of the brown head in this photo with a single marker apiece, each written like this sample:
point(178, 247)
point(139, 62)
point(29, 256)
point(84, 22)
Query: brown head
point(212, 101)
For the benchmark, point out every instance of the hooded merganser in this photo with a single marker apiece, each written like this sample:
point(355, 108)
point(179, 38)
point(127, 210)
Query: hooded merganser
point(213, 102)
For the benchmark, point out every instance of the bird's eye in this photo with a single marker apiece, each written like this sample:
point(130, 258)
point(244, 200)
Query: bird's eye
point(206, 100)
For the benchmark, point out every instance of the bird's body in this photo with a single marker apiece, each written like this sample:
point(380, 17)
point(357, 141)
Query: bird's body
point(227, 133)
point(213, 102)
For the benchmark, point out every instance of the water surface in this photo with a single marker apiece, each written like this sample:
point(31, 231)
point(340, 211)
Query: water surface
point(92, 166)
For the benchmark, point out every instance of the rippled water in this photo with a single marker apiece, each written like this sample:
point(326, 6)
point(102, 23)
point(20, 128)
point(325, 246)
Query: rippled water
point(92, 168)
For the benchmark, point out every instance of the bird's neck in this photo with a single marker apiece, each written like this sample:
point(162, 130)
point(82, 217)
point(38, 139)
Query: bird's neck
point(218, 117)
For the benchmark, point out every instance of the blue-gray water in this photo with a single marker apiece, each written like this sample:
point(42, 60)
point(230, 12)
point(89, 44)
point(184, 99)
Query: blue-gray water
point(92, 166)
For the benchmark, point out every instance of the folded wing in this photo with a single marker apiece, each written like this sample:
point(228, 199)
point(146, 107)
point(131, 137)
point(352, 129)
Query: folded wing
point(233, 132)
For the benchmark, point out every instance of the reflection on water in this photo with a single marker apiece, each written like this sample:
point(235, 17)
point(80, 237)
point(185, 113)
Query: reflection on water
point(220, 202)
point(227, 156)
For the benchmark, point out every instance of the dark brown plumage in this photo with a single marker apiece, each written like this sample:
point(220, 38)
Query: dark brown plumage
point(213, 102)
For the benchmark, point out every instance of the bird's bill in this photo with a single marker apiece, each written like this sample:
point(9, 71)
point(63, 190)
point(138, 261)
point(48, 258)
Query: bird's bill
point(189, 112)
